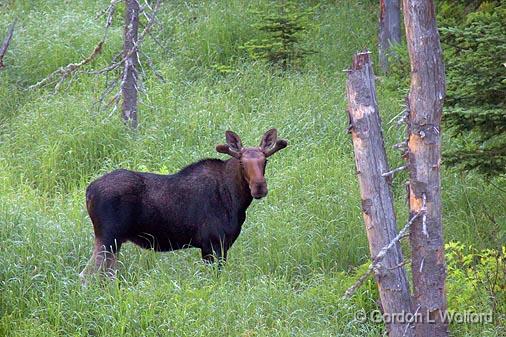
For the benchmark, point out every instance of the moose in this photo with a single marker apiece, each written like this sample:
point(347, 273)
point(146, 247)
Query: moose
point(202, 206)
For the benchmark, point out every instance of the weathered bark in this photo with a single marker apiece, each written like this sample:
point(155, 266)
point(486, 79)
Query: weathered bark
point(389, 29)
point(129, 82)
point(377, 203)
point(425, 103)
point(5, 43)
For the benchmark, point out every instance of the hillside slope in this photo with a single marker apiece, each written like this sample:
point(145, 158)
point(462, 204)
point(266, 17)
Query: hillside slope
point(292, 262)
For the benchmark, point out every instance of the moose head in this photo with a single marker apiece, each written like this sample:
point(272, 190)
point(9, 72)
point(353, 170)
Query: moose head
point(253, 159)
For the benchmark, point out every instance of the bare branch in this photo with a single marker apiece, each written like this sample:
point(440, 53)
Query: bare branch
point(403, 263)
point(117, 97)
point(146, 4)
point(404, 117)
point(375, 264)
point(109, 9)
point(401, 234)
point(64, 72)
point(6, 42)
point(392, 172)
point(110, 13)
point(109, 88)
point(401, 146)
point(108, 68)
point(71, 68)
point(152, 67)
point(159, 43)
point(351, 290)
point(424, 217)
point(136, 45)
point(411, 321)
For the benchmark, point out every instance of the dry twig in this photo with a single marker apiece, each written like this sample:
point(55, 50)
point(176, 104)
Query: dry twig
point(376, 263)
point(423, 210)
point(136, 46)
point(66, 71)
point(394, 171)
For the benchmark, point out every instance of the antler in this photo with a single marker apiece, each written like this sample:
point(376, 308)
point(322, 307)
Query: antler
point(280, 144)
point(224, 148)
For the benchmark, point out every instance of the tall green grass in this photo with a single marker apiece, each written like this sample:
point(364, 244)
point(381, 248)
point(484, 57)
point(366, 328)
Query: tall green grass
point(292, 261)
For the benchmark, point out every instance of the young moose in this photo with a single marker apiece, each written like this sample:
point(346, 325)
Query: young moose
point(203, 205)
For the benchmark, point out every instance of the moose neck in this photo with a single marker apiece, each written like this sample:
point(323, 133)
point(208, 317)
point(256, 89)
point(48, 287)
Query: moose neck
point(237, 182)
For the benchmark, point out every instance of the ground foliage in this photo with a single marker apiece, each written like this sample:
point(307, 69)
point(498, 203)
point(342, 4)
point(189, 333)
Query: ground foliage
point(299, 249)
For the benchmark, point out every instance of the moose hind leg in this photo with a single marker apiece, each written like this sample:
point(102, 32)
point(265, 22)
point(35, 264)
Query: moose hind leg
point(103, 260)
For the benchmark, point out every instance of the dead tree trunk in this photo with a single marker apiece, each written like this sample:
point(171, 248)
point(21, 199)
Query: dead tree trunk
point(377, 203)
point(425, 103)
point(129, 88)
point(389, 29)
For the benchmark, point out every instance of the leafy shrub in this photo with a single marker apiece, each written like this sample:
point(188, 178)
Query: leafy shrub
point(476, 280)
point(476, 283)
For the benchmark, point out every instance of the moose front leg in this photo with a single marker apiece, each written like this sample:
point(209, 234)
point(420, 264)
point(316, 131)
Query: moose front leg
point(215, 251)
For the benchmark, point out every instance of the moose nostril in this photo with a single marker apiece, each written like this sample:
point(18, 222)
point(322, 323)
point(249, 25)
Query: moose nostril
point(262, 189)
point(261, 186)
point(258, 189)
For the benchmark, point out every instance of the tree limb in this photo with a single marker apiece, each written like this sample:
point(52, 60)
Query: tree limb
point(136, 45)
point(375, 264)
point(394, 171)
point(71, 68)
point(6, 42)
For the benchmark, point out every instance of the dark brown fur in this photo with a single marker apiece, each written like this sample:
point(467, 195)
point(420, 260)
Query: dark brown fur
point(203, 205)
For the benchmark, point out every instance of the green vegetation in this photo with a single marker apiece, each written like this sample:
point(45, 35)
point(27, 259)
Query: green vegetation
point(473, 37)
point(299, 247)
point(476, 279)
point(284, 24)
point(477, 85)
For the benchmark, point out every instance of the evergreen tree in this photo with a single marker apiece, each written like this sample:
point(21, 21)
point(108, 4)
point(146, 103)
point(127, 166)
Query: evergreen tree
point(284, 26)
point(474, 41)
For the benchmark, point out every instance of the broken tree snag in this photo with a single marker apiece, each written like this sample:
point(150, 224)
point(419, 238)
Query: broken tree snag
point(389, 29)
point(129, 87)
point(5, 44)
point(377, 203)
point(425, 103)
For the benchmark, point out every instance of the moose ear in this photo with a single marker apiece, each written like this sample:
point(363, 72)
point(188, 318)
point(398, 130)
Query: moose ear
point(280, 144)
point(233, 141)
point(269, 139)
